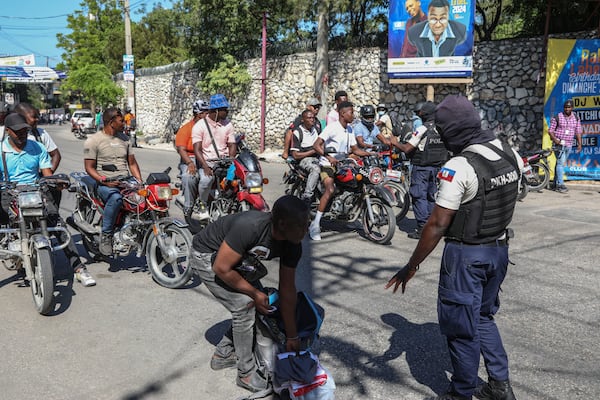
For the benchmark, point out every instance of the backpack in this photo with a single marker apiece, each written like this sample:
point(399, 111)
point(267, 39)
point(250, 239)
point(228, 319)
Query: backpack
point(270, 340)
point(558, 120)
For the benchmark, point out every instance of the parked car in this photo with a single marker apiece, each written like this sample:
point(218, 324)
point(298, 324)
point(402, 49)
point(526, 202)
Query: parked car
point(84, 117)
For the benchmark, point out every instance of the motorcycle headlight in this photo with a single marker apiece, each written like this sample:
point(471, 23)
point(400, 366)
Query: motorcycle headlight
point(254, 182)
point(30, 200)
point(164, 193)
point(376, 176)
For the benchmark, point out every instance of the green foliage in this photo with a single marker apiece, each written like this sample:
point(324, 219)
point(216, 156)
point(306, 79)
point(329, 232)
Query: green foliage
point(35, 96)
point(565, 15)
point(229, 77)
point(94, 81)
point(158, 39)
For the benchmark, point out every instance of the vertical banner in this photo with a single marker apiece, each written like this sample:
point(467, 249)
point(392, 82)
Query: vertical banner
point(430, 38)
point(128, 67)
point(573, 72)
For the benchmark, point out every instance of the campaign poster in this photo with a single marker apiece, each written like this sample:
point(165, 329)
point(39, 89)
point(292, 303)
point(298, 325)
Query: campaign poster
point(431, 38)
point(573, 72)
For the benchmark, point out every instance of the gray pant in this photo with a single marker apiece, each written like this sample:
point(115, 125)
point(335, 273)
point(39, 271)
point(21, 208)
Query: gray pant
point(240, 336)
point(204, 185)
point(189, 184)
point(310, 165)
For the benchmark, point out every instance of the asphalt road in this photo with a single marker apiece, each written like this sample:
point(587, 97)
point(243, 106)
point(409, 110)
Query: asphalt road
point(128, 338)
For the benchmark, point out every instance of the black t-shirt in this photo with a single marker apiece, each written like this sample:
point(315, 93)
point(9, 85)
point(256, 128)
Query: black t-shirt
point(247, 233)
point(298, 121)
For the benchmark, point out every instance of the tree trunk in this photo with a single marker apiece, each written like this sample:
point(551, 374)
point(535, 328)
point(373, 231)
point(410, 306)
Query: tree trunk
point(322, 58)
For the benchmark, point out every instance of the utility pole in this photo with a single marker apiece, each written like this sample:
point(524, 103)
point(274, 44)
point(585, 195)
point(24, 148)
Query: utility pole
point(129, 52)
point(263, 83)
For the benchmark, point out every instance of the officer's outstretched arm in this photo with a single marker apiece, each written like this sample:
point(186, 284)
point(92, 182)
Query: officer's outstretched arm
point(432, 233)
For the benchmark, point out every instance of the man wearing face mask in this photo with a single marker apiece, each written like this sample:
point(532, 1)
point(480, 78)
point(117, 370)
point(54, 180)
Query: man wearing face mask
point(474, 206)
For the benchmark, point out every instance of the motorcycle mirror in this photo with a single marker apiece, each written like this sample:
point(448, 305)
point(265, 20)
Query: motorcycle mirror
point(330, 150)
point(109, 167)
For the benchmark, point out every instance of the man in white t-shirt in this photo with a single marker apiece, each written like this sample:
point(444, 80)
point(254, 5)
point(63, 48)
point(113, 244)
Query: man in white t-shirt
point(337, 135)
point(474, 206)
point(213, 137)
point(305, 136)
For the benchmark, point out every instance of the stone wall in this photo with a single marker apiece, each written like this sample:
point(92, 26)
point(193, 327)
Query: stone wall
point(507, 89)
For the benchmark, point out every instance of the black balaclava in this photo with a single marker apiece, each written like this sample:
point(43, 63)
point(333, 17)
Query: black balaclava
point(459, 124)
point(428, 111)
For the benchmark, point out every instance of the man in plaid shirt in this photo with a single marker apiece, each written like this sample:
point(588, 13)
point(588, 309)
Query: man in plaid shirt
point(563, 128)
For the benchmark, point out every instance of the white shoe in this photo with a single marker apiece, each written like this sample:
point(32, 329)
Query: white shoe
point(85, 277)
point(201, 215)
point(314, 231)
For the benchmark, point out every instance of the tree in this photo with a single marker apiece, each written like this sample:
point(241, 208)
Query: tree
point(158, 38)
point(97, 36)
point(95, 82)
point(565, 15)
point(490, 12)
point(229, 77)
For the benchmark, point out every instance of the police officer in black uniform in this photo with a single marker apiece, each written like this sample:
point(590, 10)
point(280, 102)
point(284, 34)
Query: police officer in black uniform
point(474, 206)
point(428, 155)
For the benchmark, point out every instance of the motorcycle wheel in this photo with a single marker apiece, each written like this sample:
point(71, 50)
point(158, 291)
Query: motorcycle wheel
point(523, 189)
point(402, 198)
point(541, 178)
point(382, 229)
point(171, 268)
point(42, 286)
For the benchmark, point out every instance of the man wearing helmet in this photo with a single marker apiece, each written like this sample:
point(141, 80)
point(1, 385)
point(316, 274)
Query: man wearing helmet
point(366, 132)
point(213, 137)
point(187, 164)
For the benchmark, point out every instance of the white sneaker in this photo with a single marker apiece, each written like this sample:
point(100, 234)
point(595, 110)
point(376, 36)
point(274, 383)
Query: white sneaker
point(85, 277)
point(314, 231)
point(201, 215)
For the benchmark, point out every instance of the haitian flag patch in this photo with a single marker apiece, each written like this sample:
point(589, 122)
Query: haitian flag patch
point(446, 174)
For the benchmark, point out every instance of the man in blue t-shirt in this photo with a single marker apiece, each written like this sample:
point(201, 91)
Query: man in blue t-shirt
point(221, 247)
point(25, 160)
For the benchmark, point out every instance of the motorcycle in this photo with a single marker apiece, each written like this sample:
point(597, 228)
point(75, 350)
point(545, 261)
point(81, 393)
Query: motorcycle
point(360, 193)
point(396, 167)
point(143, 224)
point(79, 129)
point(535, 169)
point(25, 241)
point(237, 187)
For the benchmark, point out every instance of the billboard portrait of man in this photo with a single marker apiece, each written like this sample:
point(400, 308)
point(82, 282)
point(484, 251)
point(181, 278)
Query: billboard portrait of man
point(416, 13)
point(438, 36)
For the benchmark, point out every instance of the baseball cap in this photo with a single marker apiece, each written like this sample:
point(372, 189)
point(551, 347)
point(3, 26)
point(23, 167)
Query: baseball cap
point(568, 103)
point(313, 101)
point(381, 106)
point(16, 122)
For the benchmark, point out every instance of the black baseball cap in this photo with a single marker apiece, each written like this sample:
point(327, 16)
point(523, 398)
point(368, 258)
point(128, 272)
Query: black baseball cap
point(16, 122)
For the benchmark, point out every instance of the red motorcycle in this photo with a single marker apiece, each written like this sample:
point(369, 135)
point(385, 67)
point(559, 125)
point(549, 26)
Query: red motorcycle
point(237, 187)
point(143, 224)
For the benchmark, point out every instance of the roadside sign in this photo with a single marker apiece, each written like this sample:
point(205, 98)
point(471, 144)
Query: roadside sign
point(128, 67)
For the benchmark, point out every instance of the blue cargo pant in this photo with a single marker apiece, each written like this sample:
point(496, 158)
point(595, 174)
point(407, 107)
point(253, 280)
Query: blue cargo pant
point(470, 279)
point(423, 187)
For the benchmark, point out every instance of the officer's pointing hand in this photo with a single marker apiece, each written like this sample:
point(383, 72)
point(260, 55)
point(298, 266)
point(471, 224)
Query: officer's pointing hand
point(402, 277)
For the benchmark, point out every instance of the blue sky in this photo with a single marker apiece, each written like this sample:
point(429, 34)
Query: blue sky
point(30, 26)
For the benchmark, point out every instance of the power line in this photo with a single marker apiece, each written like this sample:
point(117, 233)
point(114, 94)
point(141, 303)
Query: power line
point(50, 17)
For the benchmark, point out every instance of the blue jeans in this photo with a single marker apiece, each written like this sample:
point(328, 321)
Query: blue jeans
point(561, 160)
point(423, 187)
point(113, 201)
point(470, 279)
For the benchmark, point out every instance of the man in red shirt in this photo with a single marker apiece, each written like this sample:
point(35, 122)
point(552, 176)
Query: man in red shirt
point(188, 166)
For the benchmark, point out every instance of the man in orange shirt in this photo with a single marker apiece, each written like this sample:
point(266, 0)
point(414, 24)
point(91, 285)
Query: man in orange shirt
point(188, 166)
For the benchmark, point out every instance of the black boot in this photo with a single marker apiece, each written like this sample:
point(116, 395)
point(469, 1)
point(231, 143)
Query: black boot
point(417, 233)
point(495, 390)
point(106, 244)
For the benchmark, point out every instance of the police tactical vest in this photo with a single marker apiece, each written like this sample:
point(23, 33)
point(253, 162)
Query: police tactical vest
point(485, 218)
point(434, 153)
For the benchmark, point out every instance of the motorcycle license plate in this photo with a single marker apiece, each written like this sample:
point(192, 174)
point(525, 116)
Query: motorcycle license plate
point(392, 173)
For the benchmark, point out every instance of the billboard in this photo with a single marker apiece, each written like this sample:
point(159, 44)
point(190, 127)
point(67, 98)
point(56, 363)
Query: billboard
point(573, 72)
point(18, 61)
point(430, 38)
